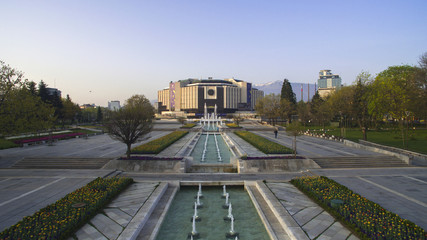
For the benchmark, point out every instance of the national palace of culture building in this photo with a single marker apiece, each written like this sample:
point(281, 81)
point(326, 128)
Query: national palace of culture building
point(191, 95)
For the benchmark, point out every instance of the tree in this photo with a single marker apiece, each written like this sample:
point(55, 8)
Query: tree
point(394, 93)
point(269, 107)
point(70, 110)
point(360, 100)
point(99, 114)
point(286, 109)
point(181, 120)
point(24, 112)
point(287, 92)
point(303, 110)
point(294, 129)
point(131, 122)
point(20, 110)
point(237, 118)
point(10, 79)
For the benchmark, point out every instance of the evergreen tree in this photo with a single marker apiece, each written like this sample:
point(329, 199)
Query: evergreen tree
point(43, 94)
point(99, 115)
point(287, 92)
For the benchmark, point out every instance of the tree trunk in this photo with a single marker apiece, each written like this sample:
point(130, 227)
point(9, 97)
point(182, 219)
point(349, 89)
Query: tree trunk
point(128, 150)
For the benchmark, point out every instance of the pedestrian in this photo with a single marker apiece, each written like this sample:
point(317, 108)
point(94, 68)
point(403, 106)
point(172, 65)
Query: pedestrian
point(275, 133)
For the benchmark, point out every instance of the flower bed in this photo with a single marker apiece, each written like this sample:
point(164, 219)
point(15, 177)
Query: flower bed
point(264, 145)
point(49, 138)
point(151, 158)
point(61, 219)
point(158, 145)
point(367, 219)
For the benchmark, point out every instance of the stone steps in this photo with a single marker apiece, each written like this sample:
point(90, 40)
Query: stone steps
point(61, 163)
point(359, 162)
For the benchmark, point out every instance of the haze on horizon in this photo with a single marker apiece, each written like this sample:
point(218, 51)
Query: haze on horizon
point(98, 51)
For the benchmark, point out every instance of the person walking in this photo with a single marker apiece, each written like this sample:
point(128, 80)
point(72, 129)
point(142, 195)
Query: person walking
point(275, 133)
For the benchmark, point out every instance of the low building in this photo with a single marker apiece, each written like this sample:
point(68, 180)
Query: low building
point(328, 83)
point(191, 95)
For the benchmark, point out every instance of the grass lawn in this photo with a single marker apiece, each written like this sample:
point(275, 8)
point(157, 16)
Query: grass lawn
point(417, 138)
point(4, 144)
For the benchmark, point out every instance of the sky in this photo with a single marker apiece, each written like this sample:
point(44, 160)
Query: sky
point(99, 51)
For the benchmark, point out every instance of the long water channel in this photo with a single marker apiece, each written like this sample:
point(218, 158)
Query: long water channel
point(211, 149)
point(177, 223)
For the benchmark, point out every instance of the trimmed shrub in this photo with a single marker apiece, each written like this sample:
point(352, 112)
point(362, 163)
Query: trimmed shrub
point(159, 144)
point(264, 145)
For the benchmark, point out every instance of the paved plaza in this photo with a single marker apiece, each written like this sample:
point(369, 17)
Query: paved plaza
point(24, 191)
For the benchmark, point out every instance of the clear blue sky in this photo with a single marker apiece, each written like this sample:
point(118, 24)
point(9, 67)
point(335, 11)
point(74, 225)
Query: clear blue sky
point(119, 48)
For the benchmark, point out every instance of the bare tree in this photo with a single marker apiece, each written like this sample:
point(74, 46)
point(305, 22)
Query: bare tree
point(131, 122)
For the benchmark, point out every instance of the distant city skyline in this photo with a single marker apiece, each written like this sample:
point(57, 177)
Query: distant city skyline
point(99, 51)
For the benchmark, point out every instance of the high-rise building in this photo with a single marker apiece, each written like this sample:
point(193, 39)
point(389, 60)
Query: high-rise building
point(328, 83)
point(191, 95)
point(114, 105)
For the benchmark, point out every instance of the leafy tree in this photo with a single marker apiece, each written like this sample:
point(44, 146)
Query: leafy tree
point(10, 79)
point(303, 110)
point(294, 129)
point(393, 93)
point(361, 101)
point(70, 110)
point(24, 112)
point(20, 109)
point(237, 119)
point(269, 107)
point(181, 120)
point(287, 92)
point(286, 109)
point(132, 121)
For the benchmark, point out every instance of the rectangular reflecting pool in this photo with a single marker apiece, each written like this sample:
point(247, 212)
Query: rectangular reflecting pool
point(178, 221)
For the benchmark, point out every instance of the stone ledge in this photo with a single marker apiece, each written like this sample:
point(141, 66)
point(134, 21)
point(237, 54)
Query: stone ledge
point(288, 223)
point(137, 223)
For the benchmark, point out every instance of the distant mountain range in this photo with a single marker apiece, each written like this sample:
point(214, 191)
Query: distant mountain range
point(276, 87)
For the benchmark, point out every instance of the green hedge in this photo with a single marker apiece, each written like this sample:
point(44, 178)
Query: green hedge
point(264, 145)
point(366, 218)
point(232, 125)
point(61, 219)
point(189, 125)
point(158, 145)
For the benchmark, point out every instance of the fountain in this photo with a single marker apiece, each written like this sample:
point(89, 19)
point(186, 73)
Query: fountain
point(226, 201)
point(198, 203)
point(194, 233)
point(224, 191)
point(199, 193)
point(232, 233)
point(209, 119)
point(229, 215)
point(212, 226)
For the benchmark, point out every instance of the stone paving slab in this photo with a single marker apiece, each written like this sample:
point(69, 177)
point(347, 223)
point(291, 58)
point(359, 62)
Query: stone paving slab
point(304, 216)
point(335, 232)
point(89, 232)
point(118, 216)
point(107, 226)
